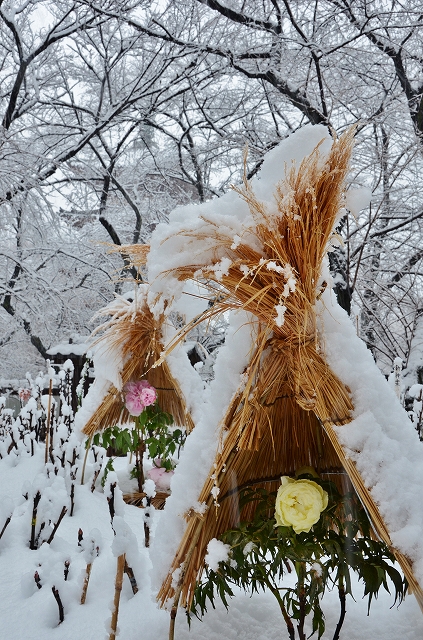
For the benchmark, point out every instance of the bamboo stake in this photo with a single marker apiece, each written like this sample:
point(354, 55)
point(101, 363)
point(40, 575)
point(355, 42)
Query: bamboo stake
point(173, 613)
point(86, 581)
point(181, 580)
point(85, 458)
point(91, 552)
point(118, 588)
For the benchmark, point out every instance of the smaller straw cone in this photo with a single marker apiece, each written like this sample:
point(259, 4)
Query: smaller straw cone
point(138, 337)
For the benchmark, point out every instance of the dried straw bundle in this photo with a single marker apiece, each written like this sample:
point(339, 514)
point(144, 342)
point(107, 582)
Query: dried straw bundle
point(281, 419)
point(137, 499)
point(137, 335)
point(278, 277)
point(137, 253)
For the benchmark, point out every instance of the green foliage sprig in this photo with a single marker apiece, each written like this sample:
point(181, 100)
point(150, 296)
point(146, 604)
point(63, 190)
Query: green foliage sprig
point(262, 554)
point(151, 432)
point(160, 441)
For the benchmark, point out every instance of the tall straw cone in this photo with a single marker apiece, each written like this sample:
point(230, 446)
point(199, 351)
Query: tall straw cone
point(282, 418)
point(137, 335)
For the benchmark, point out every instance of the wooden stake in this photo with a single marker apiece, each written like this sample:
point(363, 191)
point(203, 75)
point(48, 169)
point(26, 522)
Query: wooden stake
point(130, 573)
point(5, 526)
point(118, 588)
point(37, 498)
point(50, 389)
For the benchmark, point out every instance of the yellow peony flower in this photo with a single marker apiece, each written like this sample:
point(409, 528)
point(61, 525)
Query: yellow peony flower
point(299, 504)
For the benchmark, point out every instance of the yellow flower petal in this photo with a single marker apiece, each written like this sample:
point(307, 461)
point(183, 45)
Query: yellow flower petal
point(299, 504)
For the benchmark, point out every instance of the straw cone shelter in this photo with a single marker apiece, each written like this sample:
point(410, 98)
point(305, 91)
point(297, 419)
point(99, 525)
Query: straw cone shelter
point(136, 335)
point(286, 413)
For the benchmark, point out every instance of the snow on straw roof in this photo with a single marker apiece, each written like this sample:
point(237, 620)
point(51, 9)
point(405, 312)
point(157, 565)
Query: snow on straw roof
point(380, 439)
point(229, 214)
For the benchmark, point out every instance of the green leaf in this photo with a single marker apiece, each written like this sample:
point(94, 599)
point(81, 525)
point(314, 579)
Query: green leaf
point(142, 419)
point(152, 449)
point(135, 441)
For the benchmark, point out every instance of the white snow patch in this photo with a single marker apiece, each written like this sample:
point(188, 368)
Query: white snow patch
point(217, 551)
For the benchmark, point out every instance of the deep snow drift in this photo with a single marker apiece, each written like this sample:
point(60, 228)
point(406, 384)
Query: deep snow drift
point(28, 612)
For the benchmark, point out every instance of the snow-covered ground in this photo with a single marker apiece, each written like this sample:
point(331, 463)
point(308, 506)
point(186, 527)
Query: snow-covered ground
point(27, 612)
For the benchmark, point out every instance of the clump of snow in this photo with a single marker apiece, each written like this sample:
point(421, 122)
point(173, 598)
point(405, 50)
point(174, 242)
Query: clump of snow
point(316, 568)
point(217, 551)
point(91, 545)
point(108, 364)
point(123, 536)
point(68, 366)
point(280, 314)
point(237, 241)
point(150, 488)
point(248, 548)
point(222, 268)
point(47, 400)
point(416, 391)
point(295, 148)
point(187, 377)
point(193, 301)
point(215, 492)
point(172, 247)
point(358, 199)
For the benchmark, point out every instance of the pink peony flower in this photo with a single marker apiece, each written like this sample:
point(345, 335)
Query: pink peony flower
point(24, 395)
point(148, 396)
point(138, 396)
point(161, 478)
